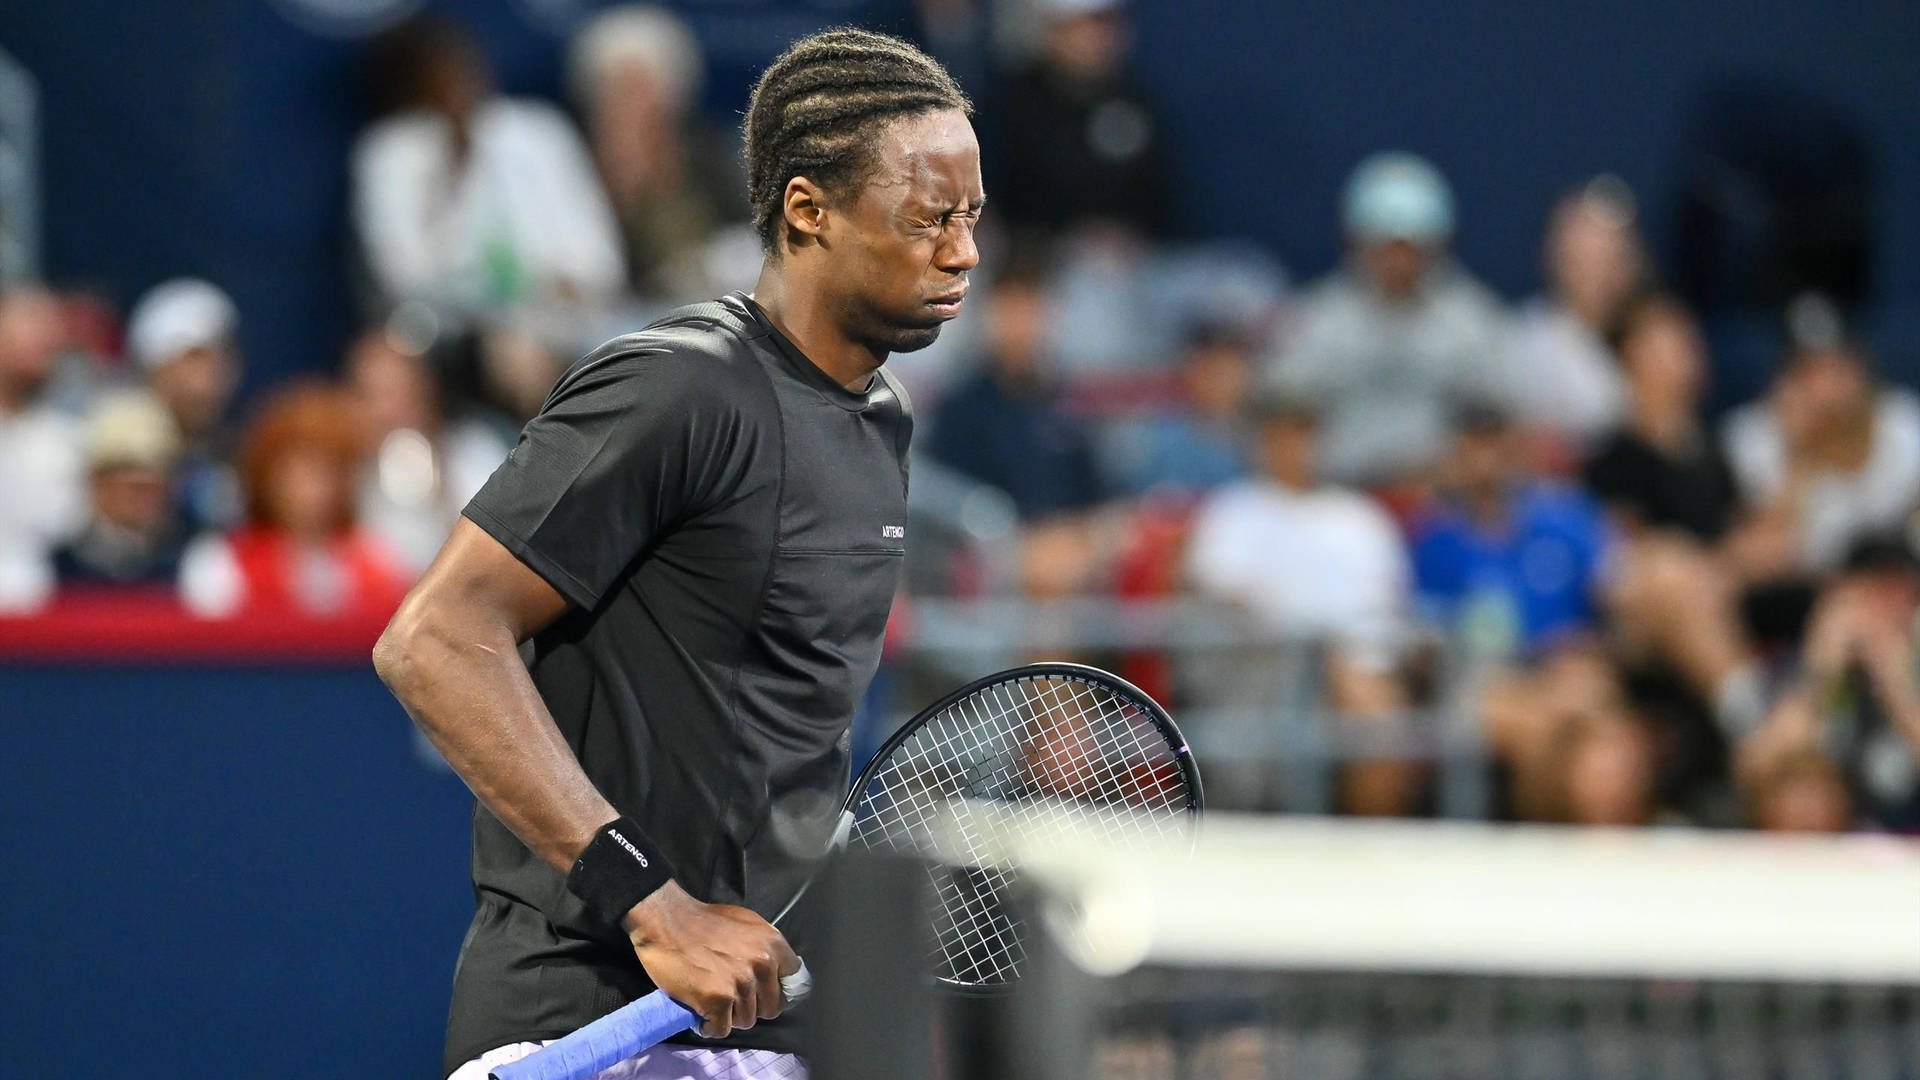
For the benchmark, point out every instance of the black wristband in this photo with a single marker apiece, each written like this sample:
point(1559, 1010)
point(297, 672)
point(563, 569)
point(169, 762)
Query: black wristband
point(618, 870)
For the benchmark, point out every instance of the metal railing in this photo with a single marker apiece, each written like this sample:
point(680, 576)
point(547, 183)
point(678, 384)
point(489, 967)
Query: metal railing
point(1249, 701)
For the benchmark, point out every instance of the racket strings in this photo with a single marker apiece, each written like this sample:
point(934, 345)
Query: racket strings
point(1043, 750)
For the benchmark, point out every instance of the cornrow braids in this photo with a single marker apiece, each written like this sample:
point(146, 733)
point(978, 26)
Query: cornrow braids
point(815, 108)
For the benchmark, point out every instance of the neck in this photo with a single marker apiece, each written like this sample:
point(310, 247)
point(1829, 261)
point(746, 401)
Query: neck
point(1488, 504)
point(1663, 425)
point(14, 395)
point(800, 308)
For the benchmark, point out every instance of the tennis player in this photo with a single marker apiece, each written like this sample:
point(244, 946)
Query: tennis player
point(642, 644)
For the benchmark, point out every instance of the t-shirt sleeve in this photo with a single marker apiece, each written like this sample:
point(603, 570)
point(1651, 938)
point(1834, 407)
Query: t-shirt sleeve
point(624, 448)
point(1615, 478)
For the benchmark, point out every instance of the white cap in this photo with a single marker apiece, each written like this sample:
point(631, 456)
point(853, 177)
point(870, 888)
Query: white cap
point(1398, 196)
point(651, 36)
point(178, 315)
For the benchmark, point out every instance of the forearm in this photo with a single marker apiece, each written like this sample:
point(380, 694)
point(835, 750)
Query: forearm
point(473, 698)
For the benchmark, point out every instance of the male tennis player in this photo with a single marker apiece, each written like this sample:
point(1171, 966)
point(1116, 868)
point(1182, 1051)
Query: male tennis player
point(642, 645)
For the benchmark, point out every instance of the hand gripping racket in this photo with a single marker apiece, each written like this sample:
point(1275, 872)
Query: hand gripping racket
point(1032, 741)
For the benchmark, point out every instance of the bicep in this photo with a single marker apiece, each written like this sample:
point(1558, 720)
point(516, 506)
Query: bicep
point(475, 582)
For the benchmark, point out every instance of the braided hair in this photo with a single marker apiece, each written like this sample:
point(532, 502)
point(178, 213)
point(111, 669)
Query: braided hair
point(815, 108)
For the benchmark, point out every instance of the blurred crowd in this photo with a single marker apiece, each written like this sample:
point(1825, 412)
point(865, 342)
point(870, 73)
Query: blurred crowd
point(1524, 511)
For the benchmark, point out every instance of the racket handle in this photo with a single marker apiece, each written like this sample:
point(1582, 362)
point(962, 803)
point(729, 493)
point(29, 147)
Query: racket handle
point(632, 1029)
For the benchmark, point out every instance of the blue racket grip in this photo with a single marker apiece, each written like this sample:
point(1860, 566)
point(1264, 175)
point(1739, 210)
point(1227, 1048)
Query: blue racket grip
point(631, 1029)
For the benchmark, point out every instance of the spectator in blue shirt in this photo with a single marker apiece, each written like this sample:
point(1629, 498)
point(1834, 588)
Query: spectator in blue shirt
point(1503, 545)
point(1510, 565)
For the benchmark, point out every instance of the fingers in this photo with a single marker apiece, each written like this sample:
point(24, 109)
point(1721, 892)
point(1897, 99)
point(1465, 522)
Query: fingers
point(716, 1022)
point(786, 961)
point(767, 989)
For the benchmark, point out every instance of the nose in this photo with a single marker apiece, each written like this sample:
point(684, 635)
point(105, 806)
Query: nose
point(959, 254)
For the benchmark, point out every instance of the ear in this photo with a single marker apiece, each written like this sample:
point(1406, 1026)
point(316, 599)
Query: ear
point(805, 209)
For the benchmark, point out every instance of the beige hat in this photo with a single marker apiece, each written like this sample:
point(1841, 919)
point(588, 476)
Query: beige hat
point(131, 428)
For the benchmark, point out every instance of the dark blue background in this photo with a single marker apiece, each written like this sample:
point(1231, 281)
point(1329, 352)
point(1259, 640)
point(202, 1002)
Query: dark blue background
point(223, 872)
point(209, 136)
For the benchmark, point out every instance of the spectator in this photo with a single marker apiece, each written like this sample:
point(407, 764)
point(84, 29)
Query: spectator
point(636, 72)
point(41, 499)
point(1083, 144)
point(1395, 339)
point(1005, 425)
point(1321, 566)
point(1850, 719)
point(1201, 443)
point(473, 202)
point(1837, 456)
point(1564, 380)
point(1511, 566)
point(300, 550)
point(1658, 470)
point(135, 537)
point(181, 334)
point(1686, 560)
point(1507, 560)
point(422, 466)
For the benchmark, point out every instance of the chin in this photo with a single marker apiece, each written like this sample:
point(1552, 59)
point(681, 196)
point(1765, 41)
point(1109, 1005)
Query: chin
point(911, 338)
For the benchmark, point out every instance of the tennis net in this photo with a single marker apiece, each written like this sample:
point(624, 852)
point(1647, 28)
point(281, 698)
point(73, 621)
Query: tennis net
point(1333, 950)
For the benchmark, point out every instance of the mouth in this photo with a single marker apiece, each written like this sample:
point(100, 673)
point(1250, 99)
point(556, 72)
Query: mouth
point(949, 305)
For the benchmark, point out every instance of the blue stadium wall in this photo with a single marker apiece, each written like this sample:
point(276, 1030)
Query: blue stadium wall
point(216, 871)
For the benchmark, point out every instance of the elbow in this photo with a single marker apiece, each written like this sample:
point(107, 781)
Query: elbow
point(396, 654)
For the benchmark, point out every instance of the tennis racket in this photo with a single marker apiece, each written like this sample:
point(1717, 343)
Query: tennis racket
point(1033, 742)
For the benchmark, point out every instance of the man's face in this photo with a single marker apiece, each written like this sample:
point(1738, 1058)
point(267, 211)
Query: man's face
point(1288, 453)
point(1665, 357)
point(1016, 329)
point(197, 385)
point(132, 497)
point(1396, 266)
point(1484, 459)
point(898, 251)
point(1216, 375)
point(30, 334)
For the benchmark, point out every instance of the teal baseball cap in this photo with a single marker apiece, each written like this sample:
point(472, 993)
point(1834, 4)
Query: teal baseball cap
point(1398, 196)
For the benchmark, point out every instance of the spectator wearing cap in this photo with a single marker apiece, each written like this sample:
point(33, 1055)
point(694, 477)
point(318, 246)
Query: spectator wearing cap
point(1563, 380)
point(134, 538)
point(1324, 568)
point(300, 550)
point(1833, 451)
point(42, 499)
point(676, 186)
point(1082, 143)
point(181, 334)
point(473, 202)
point(1390, 342)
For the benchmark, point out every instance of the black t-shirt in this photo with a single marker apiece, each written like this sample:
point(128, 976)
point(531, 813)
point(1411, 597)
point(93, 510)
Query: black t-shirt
point(727, 524)
point(1694, 493)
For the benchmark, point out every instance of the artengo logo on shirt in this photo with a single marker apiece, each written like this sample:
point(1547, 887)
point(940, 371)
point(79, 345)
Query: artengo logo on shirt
point(893, 532)
point(631, 850)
